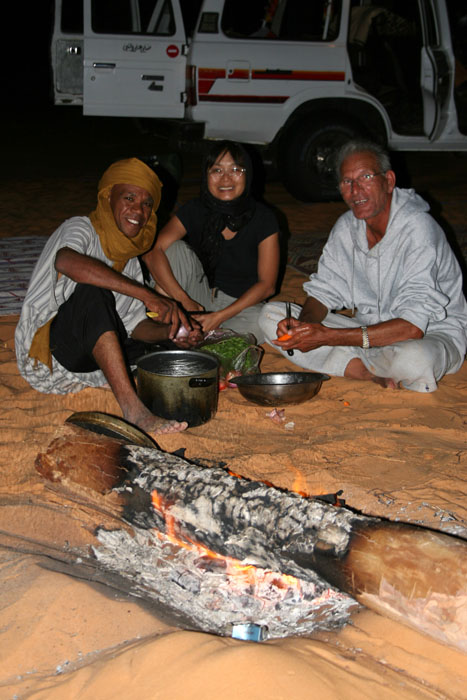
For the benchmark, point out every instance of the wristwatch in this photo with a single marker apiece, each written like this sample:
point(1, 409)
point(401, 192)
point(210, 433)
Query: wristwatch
point(365, 338)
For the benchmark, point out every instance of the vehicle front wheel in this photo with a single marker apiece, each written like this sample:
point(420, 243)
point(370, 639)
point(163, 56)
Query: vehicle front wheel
point(307, 158)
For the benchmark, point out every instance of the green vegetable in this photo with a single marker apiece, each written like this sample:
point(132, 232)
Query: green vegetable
point(229, 350)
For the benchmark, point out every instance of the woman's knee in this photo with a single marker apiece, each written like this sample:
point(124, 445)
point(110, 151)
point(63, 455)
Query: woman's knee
point(188, 271)
point(181, 257)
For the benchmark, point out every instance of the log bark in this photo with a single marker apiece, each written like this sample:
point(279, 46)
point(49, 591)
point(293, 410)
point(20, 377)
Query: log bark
point(83, 457)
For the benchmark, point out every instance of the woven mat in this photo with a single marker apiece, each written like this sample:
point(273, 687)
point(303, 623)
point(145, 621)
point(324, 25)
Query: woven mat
point(17, 259)
point(303, 251)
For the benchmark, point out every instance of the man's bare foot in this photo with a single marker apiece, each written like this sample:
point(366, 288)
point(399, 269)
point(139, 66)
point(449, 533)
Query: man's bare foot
point(154, 425)
point(162, 426)
point(386, 382)
point(357, 370)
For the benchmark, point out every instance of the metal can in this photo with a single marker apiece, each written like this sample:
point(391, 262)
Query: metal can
point(249, 632)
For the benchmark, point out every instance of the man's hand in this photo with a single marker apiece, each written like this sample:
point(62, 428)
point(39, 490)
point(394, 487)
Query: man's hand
point(301, 336)
point(285, 325)
point(309, 336)
point(168, 312)
point(189, 340)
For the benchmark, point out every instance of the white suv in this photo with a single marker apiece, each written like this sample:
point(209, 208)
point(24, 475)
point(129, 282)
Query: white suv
point(297, 77)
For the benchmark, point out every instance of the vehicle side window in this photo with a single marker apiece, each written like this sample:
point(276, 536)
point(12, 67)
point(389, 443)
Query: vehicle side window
point(146, 17)
point(190, 12)
point(71, 17)
point(282, 20)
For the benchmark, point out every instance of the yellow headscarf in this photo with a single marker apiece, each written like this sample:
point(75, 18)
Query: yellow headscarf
point(117, 247)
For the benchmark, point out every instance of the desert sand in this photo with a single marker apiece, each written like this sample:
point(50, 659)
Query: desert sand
point(394, 454)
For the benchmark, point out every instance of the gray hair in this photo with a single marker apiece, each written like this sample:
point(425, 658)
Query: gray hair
point(358, 146)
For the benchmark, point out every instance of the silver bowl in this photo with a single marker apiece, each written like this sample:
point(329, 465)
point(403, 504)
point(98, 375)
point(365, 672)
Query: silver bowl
point(279, 388)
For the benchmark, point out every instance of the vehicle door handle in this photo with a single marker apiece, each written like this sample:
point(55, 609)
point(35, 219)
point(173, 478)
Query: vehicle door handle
point(103, 65)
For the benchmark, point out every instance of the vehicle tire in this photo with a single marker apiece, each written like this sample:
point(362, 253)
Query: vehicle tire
point(307, 157)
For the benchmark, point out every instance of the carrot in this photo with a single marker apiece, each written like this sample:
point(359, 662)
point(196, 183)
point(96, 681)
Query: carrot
point(286, 336)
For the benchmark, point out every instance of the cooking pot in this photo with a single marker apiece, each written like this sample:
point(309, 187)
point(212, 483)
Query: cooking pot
point(180, 385)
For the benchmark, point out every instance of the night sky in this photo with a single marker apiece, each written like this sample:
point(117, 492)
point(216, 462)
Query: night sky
point(26, 72)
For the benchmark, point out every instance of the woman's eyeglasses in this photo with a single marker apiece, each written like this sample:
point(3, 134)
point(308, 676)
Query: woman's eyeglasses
point(364, 180)
point(235, 172)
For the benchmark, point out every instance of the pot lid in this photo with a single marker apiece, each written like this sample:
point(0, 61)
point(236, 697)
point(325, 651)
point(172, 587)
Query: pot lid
point(112, 426)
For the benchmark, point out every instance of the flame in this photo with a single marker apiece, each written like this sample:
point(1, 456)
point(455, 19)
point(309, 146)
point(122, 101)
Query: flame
point(299, 484)
point(157, 501)
point(239, 476)
point(231, 473)
point(244, 574)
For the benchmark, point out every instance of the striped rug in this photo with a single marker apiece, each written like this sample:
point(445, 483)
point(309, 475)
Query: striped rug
point(17, 259)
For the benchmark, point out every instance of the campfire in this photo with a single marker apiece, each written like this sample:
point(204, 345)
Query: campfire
point(216, 552)
point(215, 549)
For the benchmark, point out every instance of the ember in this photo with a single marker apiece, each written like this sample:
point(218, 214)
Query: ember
point(216, 598)
point(218, 574)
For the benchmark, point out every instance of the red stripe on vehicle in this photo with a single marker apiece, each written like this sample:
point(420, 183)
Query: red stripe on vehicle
point(211, 73)
point(238, 74)
point(207, 77)
point(298, 75)
point(204, 86)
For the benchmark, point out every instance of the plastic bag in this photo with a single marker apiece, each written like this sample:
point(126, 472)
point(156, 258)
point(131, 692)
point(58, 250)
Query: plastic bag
point(237, 353)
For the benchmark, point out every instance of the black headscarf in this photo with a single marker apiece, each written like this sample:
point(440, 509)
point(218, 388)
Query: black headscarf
point(219, 214)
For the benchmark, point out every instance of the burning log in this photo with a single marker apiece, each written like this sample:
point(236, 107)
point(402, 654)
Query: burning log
point(407, 572)
point(200, 561)
point(246, 520)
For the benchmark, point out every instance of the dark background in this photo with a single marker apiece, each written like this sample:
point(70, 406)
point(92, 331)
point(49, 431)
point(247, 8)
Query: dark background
point(37, 137)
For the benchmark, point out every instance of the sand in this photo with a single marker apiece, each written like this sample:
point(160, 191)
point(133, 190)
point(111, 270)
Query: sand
point(394, 454)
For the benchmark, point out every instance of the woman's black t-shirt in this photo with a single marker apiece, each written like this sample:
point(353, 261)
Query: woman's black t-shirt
point(237, 269)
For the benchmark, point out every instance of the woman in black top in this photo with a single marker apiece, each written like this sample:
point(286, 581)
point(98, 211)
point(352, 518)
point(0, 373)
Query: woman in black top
point(220, 252)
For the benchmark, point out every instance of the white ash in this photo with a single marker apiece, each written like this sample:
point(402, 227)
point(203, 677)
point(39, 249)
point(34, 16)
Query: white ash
point(210, 598)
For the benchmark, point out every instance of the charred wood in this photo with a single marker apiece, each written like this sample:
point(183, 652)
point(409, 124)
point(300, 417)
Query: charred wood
point(413, 574)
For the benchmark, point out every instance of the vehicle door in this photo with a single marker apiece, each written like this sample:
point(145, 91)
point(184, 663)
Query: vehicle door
point(134, 63)
point(435, 74)
point(67, 52)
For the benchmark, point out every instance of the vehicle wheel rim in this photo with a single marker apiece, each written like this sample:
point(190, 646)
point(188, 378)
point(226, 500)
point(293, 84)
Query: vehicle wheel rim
point(320, 160)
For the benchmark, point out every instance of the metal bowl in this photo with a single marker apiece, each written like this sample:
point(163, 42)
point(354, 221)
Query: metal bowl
point(279, 388)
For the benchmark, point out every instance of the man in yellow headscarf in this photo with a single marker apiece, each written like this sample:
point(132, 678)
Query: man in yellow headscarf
point(84, 319)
